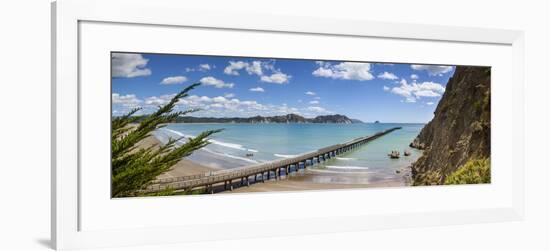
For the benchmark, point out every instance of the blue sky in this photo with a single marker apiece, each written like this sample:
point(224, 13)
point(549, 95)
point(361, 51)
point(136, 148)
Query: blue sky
point(244, 87)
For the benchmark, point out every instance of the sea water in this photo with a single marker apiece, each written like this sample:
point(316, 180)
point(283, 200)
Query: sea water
point(247, 144)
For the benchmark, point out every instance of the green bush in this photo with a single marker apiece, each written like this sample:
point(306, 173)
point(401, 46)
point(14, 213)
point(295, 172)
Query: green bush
point(473, 172)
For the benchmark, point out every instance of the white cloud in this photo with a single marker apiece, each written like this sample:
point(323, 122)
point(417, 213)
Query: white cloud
point(161, 100)
point(195, 101)
point(216, 82)
point(310, 93)
point(217, 106)
point(324, 72)
point(345, 70)
point(155, 101)
point(317, 98)
point(414, 76)
point(173, 80)
point(129, 65)
point(282, 110)
point(205, 67)
point(433, 70)
point(219, 99)
point(430, 103)
point(255, 68)
point(222, 105)
point(276, 78)
point(386, 88)
point(201, 67)
point(264, 69)
point(413, 91)
point(257, 89)
point(229, 95)
point(234, 67)
point(427, 93)
point(387, 75)
point(317, 109)
point(314, 102)
point(128, 100)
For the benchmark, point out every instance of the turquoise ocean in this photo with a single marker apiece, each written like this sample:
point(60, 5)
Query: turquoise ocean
point(265, 142)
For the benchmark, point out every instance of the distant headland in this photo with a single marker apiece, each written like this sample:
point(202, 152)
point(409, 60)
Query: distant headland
point(284, 119)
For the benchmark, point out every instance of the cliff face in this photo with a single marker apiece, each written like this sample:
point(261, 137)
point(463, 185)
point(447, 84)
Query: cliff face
point(460, 130)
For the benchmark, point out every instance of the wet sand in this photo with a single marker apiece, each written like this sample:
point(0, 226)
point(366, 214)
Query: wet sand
point(305, 180)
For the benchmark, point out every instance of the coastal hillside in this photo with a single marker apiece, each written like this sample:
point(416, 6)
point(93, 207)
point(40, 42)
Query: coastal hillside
point(289, 118)
point(458, 136)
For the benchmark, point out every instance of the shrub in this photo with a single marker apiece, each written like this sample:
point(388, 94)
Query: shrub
point(473, 172)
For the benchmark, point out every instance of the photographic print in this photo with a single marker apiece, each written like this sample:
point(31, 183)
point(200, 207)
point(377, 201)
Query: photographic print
point(197, 124)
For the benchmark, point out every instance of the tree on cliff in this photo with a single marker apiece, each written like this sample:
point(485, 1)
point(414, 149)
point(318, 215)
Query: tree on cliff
point(134, 168)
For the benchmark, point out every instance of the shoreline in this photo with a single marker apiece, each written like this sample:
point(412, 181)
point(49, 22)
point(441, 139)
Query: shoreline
point(299, 183)
point(183, 168)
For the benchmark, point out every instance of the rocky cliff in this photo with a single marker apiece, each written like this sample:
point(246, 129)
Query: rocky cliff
point(460, 130)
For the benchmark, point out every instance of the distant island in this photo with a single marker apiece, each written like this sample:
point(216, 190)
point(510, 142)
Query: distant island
point(283, 119)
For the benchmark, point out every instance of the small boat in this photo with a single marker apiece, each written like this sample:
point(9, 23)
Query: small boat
point(249, 154)
point(406, 153)
point(394, 154)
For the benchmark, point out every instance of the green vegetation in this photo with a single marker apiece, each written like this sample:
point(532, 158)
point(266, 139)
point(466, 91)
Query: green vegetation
point(473, 172)
point(134, 168)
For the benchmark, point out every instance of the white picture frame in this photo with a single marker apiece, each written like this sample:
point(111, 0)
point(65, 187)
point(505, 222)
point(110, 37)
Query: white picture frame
point(67, 201)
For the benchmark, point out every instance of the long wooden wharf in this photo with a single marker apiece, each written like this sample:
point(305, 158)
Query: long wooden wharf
point(272, 169)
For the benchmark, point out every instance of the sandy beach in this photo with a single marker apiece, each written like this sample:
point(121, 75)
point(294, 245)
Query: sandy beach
point(294, 184)
point(305, 180)
point(182, 168)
